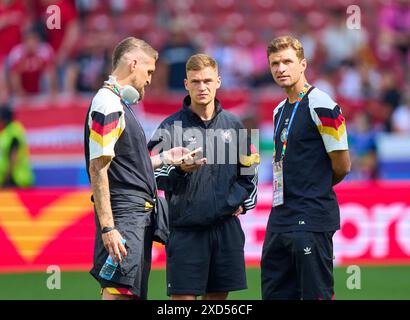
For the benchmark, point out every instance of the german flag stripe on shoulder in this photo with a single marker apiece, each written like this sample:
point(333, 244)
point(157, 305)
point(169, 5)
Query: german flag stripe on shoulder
point(328, 113)
point(105, 128)
point(104, 120)
point(332, 122)
point(105, 140)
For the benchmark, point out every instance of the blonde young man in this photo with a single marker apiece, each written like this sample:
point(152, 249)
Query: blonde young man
point(310, 157)
point(205, 252)
point(121, 172)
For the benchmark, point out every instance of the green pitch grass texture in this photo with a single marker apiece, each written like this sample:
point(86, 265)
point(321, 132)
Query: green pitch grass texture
point(383, 283)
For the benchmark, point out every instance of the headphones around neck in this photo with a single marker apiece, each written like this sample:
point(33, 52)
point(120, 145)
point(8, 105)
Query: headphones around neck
point(129, 94)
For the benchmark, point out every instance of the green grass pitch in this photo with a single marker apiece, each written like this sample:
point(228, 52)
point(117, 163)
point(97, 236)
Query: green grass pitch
point(385, 283)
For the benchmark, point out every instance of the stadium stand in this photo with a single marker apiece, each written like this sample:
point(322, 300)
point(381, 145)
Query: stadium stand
point(366, 73)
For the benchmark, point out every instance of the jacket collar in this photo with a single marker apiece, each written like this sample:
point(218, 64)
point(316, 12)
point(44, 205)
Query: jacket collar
point(187, 103)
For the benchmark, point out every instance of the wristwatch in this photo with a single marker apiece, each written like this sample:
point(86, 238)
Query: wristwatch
point(107, 229)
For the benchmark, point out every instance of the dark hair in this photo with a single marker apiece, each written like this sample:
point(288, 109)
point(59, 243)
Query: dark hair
point(6, 114)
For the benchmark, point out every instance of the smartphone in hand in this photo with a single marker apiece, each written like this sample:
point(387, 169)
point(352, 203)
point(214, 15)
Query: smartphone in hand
point(196, 154)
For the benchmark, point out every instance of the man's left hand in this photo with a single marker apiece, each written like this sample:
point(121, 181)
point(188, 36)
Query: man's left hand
point(238, 211)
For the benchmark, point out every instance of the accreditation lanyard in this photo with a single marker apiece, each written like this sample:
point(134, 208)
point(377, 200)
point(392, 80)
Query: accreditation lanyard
point(278, 181)
point(285, 141)
point(118, 93)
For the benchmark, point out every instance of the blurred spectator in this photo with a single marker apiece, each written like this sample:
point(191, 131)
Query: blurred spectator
point(92, 64)
point(362, 147)
point(29, 62)
point(326, 82)
point(355, 80)
point(346, 63)
point(116, 7)
point(234, 61)
point(86, 7)
point(307, 38)
point(340, 42)
point(174, 55)
point(401, 116)
point(15, 168)
point(371, 80)
point(261, 76)
point(394, 35)
point(350, 85)
point(390, 95)
point(13, 18)
point(12, 22)
point(64, 39)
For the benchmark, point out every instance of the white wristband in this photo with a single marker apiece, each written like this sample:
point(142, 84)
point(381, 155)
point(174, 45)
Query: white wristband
point(162, 157)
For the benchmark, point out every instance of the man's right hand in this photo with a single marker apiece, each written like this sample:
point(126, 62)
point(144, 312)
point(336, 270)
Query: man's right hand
point(112, 242)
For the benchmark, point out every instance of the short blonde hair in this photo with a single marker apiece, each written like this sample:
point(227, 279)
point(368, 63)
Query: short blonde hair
point(286, 42)
point(200, 61)
point(129, 44)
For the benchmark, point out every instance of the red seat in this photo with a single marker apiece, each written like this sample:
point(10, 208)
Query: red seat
point(233, 20)
point(260, 5)
point(100, 7)
point(220, 5)
point(156, 37)
point(245, 37)
point(303, 5)
point(98, 22)
point(224, 20)
point(135, 23)
point(206, 38)
point(140, 6)
point(316, 20)
point(197, 20)
point(176, 7)
point(272, 20)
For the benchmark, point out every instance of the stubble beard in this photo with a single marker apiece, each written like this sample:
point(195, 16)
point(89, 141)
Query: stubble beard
point(141, 90)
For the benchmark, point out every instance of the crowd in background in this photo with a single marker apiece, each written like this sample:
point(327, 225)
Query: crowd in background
point(365, 67)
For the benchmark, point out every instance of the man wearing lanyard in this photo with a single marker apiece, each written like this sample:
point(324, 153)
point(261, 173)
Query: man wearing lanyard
point(121, 173)
point(310, 156)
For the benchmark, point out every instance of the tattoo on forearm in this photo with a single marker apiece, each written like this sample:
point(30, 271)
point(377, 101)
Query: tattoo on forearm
point(101, 192)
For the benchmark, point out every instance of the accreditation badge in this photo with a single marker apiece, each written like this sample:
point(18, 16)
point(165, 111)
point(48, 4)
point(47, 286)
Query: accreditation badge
point(277, 183)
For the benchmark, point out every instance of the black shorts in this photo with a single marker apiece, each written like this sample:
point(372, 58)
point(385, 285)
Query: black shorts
point(206, 261)
point(297, 265)
point(135, 225)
